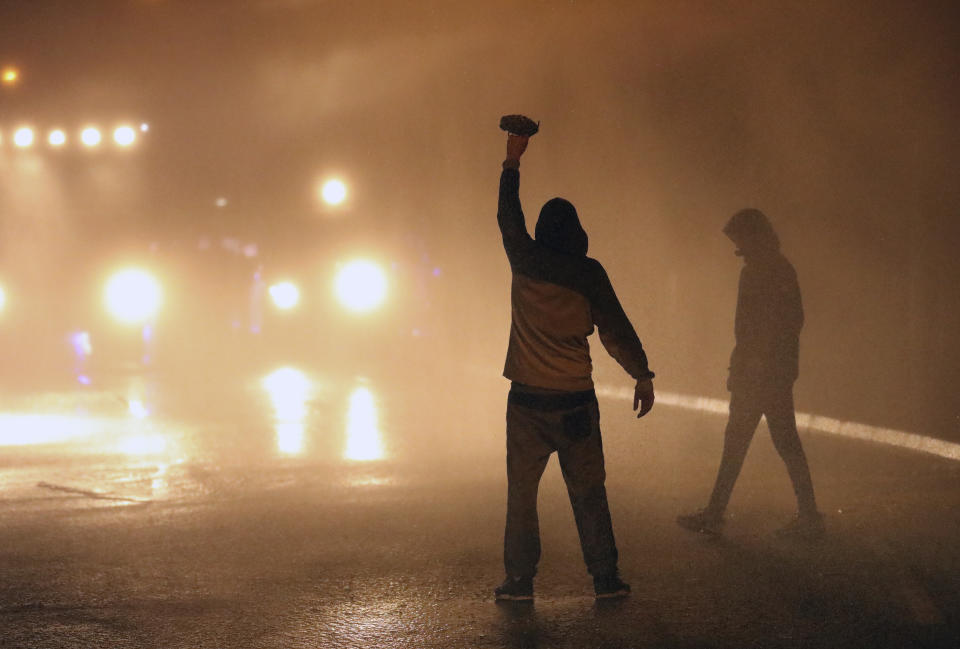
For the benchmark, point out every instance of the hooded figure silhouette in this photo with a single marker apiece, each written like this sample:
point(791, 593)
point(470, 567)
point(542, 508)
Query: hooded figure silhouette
point(558, 298)
point(558, 228)
point(763, 367)
point(751, 230)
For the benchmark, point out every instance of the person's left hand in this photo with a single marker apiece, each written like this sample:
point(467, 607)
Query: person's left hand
point(643, 397)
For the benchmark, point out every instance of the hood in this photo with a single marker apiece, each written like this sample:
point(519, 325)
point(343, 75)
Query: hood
point(559, 228)
point(753, 225)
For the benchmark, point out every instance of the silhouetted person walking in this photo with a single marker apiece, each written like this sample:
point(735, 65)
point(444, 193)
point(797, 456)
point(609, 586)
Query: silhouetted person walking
point(763, 368)
point(558, 295)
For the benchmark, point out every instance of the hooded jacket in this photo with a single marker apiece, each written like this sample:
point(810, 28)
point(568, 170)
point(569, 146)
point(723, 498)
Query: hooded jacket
point(769, 309)
point(558, 296)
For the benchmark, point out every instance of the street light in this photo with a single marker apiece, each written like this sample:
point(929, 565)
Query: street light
point(23, 137)
point(90, 136)
point(334, 192)
point(9, 76)
point(124, 136)
point(57, 138)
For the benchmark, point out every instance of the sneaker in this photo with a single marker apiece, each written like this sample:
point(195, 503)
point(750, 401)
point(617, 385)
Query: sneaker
point(609, 586)
point(702, 522)
point(806, 526)
point(515, 588)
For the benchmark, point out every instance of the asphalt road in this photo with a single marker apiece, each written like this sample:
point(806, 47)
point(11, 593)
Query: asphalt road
point(369, 513)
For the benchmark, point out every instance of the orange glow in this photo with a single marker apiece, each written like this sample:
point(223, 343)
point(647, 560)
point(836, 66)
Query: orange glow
point(10, 76)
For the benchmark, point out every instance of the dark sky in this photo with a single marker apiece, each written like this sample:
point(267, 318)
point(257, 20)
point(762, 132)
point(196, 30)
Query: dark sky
point(658, 121)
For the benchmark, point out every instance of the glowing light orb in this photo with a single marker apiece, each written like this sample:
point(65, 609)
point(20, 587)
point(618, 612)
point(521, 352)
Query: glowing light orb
point(133, 296)
point(334, 192)
point(90, 136)
point(124, 136)
point(3, 299)
point(57, 138)
point(285, 295)
point(10, 76)
point(23, 137)
point(361, 286)
point(144, 127)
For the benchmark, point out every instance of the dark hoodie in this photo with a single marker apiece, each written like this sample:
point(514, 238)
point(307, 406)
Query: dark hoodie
point(558, 295)
point(769, 308)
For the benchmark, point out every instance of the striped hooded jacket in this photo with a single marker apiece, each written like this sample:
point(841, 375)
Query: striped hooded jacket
point(558, 296)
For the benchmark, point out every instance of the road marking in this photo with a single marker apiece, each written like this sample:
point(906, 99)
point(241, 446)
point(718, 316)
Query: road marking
point(807, 421)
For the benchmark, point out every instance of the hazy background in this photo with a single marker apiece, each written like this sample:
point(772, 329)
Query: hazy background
point(658, 121)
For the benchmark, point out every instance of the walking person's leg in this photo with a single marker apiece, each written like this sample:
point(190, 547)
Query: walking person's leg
point(745, 413)
point(782, 422)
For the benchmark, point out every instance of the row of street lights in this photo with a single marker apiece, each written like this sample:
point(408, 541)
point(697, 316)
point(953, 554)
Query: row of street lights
point(91, 137)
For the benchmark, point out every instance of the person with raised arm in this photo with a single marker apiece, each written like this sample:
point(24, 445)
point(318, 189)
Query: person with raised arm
point(558, 297)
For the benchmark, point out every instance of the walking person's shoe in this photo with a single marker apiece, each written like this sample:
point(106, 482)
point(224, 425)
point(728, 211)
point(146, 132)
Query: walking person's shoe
point(808, 527)
point(514, 589)
point(702, 522)
point(610, 586)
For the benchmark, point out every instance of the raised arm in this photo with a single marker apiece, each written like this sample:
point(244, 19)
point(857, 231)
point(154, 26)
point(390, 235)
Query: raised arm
point(513, 227)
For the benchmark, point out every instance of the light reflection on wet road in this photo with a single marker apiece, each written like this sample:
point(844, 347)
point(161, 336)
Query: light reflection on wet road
point(134, 440)
point(294, 507)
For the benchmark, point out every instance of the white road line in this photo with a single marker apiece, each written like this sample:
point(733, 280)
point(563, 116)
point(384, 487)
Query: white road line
point(807, 421)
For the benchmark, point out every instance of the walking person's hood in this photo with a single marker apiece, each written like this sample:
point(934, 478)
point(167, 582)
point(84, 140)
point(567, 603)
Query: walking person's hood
point(752, 232)
point(559, 228)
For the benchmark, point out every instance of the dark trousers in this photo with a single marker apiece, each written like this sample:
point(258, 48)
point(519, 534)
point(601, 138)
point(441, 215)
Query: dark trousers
point(574, 433)
point(746, 408)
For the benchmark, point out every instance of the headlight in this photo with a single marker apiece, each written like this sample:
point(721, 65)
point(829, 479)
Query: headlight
point(361, 286)
point(133, 296)
point(285, 295)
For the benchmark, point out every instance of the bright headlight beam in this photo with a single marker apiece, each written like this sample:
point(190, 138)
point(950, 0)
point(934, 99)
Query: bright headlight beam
point(133, 296)
point(361, 286)
point(285, 295)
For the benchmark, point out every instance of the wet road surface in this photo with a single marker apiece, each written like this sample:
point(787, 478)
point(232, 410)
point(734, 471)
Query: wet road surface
point(304, 508)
